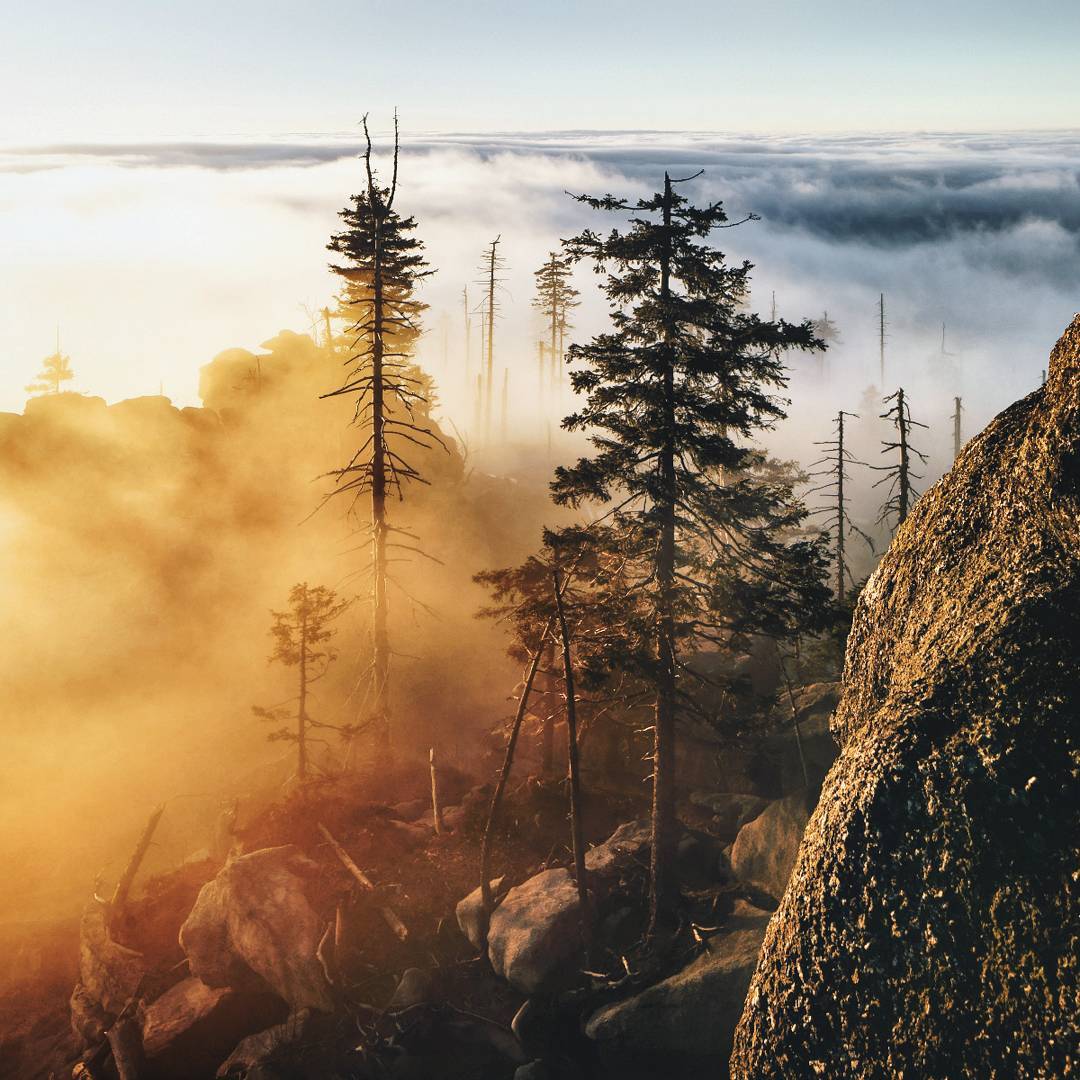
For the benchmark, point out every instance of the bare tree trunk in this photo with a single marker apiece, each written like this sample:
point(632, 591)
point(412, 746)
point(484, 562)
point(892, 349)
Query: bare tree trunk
point(547, 735)
point(127, 879)
point(840, 567)
point(662, 885)
point(436, 809)
point(490, 375)
point(577, 839)
point(301, 710)
point(380, 634)
point(488, 902)
point(905, 464)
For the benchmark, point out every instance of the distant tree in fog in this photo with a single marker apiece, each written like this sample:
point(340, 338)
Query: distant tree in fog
point(55, 370)
point(671, 394)
point(301, 640)
point(381, 264)
point(555, 298)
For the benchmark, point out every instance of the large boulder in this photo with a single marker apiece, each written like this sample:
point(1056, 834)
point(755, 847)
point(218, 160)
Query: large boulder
point(930, 928)
point(765, 849)
point(685, 1024)
point(255, 917)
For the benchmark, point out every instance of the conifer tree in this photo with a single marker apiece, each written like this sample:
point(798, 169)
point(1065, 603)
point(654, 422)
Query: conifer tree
point(301, 640)
point(55, 370)
point(900, 477)
point(382, 263)
point(672, 392)
point(555, 298)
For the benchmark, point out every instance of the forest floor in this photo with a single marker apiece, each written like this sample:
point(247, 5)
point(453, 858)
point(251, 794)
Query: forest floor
point(422, 881)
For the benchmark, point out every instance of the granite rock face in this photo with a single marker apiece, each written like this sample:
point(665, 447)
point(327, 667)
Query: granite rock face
point(930, 928)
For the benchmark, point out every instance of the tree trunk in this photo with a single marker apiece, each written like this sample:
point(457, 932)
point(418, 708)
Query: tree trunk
point(301, 709)
point(577, 839)
point(380, 634)
point(905, 483)
point(488, 901)
point(840, 512)
point(662, 884)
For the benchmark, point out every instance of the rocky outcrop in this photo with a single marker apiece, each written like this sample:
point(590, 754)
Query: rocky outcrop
point(690, 1015)
point(930, 928)
point(765, 849)
point(255, 917)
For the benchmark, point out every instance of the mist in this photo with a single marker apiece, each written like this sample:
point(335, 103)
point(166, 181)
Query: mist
point(149, 538)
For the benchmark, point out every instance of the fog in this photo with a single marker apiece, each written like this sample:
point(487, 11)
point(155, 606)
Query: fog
point(145, 541)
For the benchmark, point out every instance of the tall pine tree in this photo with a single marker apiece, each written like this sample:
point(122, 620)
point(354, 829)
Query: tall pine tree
point(382, 264)
point(673, 391)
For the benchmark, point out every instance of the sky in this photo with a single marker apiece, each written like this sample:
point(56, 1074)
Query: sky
point(132, 68)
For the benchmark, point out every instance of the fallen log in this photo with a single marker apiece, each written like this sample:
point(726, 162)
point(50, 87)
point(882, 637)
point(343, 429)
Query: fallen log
point(389, 915)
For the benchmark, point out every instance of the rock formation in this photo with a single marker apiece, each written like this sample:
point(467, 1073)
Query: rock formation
point(930, 928)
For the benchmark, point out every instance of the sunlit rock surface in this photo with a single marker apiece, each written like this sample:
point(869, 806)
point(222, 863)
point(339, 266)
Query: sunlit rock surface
point(930, 926)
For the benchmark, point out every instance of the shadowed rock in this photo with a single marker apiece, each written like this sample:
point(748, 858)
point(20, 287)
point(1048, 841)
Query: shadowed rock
point(255, 917)
point(930, 926)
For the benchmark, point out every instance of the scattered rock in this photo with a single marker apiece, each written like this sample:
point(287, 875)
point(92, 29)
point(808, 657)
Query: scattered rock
point(410, 810)
point(534, 1070)
point(254, 916)
point(256, 1050)
point(469, 913)
point(930, 926)
point(410, 836)
point(765, 849)
point(415, 987)
point(535, 933)
point(177, 1011)
point(730, 810)
point(690, 1015)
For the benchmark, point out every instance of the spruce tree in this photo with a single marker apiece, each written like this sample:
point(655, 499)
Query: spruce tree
point(555, 298)
point(301, 640)
point(382, 263)
point(685, 376)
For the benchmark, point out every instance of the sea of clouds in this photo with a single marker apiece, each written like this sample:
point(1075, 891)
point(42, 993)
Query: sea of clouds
point(152, 257)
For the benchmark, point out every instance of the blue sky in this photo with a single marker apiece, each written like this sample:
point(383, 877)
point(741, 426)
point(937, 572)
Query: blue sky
point(121, 68)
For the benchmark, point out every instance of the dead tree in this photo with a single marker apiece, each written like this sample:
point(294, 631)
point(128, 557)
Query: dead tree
point(490, 268)
point(487, 898)
point(833, 467)
point(383, 265)
point(301, 640)
point(901, 491)
point(881, 339)
point(957, 415)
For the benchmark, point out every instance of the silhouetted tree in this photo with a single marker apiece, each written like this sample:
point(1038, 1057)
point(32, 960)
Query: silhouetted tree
point(825, 329)
point(837, 521)
point(555, 298)
point(55, 370)
point(901, 491)
point(684, 372)
point(382, 265)
point(301, 640)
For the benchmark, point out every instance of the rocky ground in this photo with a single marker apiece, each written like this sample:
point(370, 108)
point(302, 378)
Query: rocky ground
point(273, 960)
